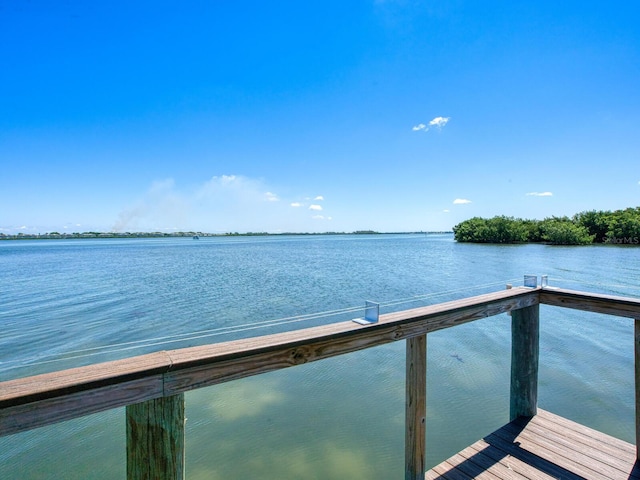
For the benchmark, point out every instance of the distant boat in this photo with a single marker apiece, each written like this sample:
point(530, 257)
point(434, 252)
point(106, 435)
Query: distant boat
point(196, 237)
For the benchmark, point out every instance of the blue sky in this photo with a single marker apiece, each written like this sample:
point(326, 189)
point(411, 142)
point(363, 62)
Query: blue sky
point(314, 116)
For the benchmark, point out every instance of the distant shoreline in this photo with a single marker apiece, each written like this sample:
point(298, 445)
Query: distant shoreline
point(86, 235)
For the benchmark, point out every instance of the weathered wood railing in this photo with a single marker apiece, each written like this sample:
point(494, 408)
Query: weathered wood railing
point(152, 386)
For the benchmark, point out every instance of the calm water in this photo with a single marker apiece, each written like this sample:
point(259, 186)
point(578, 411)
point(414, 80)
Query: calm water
point(68, 303)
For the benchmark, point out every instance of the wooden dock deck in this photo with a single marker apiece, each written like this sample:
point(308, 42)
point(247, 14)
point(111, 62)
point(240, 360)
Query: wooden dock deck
point(545, 446)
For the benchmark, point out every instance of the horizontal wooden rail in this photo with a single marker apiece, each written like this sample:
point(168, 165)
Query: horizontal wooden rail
point(152, 386)
point(591, 302)
point(31, 402)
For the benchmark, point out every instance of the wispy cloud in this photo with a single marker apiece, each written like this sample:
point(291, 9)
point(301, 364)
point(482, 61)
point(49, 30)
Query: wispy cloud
point(11, 229)
point(222, 203)
point(461, 201)
point(437, 122)
point(446, 210)
point(161, 205)
point(539, 194)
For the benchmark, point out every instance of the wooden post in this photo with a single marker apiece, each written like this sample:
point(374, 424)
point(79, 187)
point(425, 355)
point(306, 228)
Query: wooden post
point(155, 439)
point(525, 346)
point(415, 408)
point(636, 349)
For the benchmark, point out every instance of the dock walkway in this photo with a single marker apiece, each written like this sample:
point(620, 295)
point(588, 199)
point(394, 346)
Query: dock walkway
point(545, 446)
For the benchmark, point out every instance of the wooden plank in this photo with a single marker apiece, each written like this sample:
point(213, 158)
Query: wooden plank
point(570, 458)
point(79, 379)
point(213, 364)
point(564, 440)
point(155, 439)
point(525, 346)
point(27, 416)
point(591, 302)
point(547, 446)
point(508, 466)
point(528, 464)
point(483, 465)
point(566, 425)
point(448, 471)
point(575, 454)
point(585, 438)
point(415, 407)
point(472, 468)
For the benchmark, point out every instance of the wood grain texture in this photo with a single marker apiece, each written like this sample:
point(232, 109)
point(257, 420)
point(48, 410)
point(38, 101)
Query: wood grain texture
point(155, 439)
point(212, 364)
point(546, 446)
point(591, 302)
point(525, 347)
point(34, 401)
point(26, 416)
point(415, 408)
point(80, 379)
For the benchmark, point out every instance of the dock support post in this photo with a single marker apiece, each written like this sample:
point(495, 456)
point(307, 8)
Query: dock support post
point(155, 439)
point(415, 408)
point(636, 349)
point(525, 334)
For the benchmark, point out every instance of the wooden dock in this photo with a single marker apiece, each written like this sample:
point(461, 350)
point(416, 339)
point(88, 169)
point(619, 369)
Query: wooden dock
point(152, 388)
point(545, 446)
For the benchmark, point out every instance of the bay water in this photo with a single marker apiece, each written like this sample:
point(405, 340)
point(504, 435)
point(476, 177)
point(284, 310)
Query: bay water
point(65, 303)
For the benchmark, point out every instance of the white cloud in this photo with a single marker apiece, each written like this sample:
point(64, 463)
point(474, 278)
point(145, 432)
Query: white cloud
point(271, 197)
point(296, 204)
point(439, 122)
point(319, 197)
point(539, 194)
point(318, 217)
point(317, 208)
point(446, 210)
point(461, 201)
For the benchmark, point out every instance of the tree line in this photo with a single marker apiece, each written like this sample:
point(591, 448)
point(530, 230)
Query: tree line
point(585, 228)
